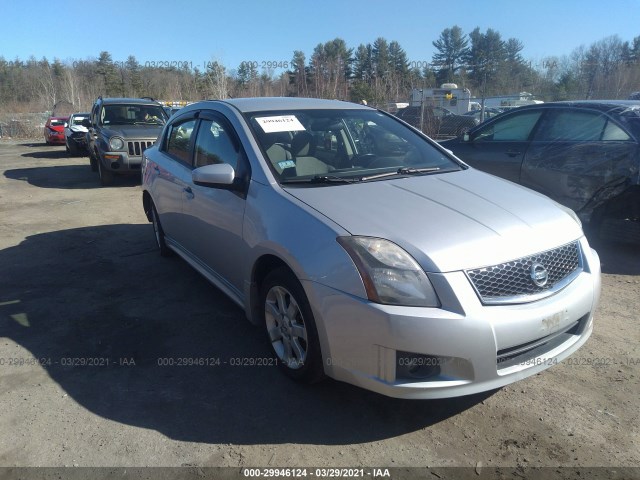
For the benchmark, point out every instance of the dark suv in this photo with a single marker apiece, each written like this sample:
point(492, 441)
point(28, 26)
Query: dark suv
point(120, 129)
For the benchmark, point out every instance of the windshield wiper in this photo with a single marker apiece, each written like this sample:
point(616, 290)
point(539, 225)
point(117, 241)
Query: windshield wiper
point(415, 171)
point(402, 171)
point(333, 179)
point(323, 179)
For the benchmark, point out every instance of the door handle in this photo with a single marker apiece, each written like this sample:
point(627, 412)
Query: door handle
point(511, 153)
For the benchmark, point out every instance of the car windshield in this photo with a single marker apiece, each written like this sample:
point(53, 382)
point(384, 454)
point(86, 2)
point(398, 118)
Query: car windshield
point(57, 122)
point(133, 115)
point(77, 120)
point(343, 146)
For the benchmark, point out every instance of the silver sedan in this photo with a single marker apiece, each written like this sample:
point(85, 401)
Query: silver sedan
point(365, 251)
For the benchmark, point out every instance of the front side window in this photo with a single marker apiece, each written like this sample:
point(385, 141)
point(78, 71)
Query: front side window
point(214, 144)
point(345, 145)
point(179, 140)
point(512, 128)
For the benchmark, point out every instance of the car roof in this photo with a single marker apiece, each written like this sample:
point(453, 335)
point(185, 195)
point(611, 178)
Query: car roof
point(135, 101)
point(262, 104)
point(601, 105)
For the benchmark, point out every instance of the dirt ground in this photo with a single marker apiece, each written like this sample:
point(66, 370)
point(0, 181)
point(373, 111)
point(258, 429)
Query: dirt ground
point(89, 313)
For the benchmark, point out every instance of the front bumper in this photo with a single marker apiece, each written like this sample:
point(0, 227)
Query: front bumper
point(79, 139)
point(129, 160)
point(54, 137)
point(471, 347)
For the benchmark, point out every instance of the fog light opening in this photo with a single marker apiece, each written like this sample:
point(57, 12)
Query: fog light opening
point(415, 366)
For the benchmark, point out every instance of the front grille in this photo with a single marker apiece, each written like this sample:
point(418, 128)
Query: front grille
point(136, 147)
point(512, 282)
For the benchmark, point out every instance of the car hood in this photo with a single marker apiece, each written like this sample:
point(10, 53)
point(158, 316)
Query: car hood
point(134, 131)
point(78, 128)
point(448, 222)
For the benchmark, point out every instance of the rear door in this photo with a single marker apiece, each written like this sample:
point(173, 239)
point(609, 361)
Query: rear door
point(576, 154)
point(170, 169)
point(499, 146)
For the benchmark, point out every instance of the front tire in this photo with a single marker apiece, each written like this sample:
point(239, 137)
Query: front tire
point(159, 233)
point(93, 160)
point(106, 176)
point(72, 150)
point(290, 326)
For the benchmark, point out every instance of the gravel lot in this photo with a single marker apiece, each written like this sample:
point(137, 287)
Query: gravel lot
point(89, 312)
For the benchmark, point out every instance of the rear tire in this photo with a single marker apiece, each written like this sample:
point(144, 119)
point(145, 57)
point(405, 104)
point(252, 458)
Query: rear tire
point(290, 326)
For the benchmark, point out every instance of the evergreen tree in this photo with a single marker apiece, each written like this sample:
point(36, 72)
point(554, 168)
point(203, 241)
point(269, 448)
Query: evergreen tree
point(299, 73)
point(485, 57)
point(134, 77)
point(380, 58)
point(109, 73)
point(452, 50)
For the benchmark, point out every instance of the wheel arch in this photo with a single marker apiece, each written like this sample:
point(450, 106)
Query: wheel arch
point(146, 204)
point(264, 265)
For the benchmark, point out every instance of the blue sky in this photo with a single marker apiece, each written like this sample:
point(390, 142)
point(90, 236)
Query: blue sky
point(199, 31)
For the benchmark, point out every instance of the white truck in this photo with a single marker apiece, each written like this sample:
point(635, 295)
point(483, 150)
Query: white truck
point(510, 101)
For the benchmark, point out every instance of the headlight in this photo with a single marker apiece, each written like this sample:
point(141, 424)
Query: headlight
point(116, 143)
point(390, 275)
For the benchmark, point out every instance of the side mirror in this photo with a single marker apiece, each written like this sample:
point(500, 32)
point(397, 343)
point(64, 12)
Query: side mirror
point(218, 174)
point(466, 137)
point(86, 123)
point(66, 125)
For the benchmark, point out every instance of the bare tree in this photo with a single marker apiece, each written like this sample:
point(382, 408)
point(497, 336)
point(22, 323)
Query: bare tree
point(48, 91)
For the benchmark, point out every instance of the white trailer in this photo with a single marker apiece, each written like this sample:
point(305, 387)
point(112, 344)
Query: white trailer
point(449, 96)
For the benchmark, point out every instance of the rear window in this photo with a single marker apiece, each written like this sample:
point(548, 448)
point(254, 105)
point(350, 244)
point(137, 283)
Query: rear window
point(579, 126)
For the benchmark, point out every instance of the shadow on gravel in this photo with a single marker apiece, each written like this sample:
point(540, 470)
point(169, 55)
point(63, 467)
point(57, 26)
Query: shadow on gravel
point(616, 258)
point(66, 177)
point(36, 145)
point(105, 314)
point(51, 152)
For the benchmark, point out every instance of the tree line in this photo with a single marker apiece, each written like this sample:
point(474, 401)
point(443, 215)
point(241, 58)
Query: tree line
point(378, 72)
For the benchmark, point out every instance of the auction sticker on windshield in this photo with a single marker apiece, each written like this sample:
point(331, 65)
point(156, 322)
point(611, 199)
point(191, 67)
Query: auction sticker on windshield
point(280, 123)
